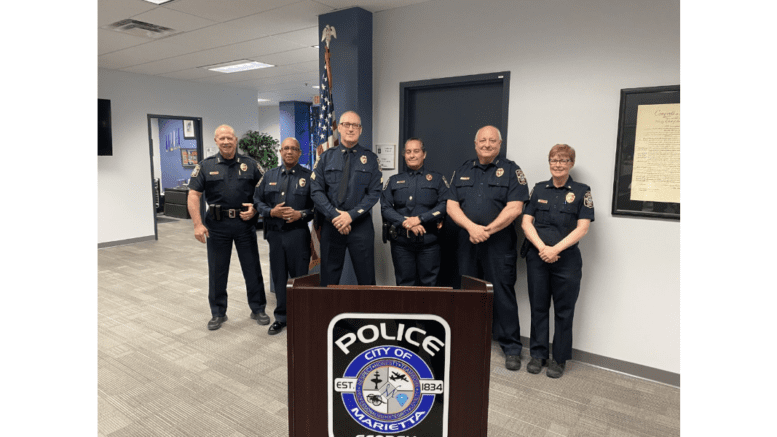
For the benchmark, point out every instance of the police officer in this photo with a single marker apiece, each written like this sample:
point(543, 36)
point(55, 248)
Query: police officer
point(283, 199)
point(556, 218)
point(228, 181)
point(345, 185)
point(485, 197)
point(413, 205)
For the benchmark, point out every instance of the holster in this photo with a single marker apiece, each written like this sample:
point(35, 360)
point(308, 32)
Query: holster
point(215, 212)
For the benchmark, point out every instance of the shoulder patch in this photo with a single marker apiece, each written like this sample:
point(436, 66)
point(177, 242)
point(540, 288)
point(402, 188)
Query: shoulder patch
point(196, 171)
point(588, 200)
point(260, 181)
point(446, 182)
point(386, 185)
point(521, 177)
point(313, 177)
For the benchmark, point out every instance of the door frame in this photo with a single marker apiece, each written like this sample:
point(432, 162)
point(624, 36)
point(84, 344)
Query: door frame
point(200, 150)
point(405, 88)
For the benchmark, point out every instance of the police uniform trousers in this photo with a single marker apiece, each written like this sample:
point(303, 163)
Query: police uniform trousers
point(289, 257)
point(494, 260)
point(415, 264)
point(361, 246)
point(222, 234)
point(559, 281)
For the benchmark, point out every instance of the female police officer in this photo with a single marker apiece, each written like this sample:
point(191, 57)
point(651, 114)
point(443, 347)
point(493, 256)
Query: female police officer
point(412, 204)
point(555, 219)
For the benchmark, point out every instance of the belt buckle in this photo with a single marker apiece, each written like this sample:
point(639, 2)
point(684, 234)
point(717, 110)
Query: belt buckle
point(232, 213)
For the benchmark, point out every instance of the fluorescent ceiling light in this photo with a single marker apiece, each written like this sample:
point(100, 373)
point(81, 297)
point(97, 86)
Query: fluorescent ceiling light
point(262, 100)
point(158, 2)
point(316, 86)
point(235, 66)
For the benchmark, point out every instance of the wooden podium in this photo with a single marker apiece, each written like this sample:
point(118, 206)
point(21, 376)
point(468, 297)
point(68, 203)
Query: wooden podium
point(431, 380)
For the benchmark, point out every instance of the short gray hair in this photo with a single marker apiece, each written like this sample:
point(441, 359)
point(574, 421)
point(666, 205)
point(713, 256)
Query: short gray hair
point(497, 131)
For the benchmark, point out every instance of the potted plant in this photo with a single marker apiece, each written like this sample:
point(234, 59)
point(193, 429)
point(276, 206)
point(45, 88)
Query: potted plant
point(262, 147)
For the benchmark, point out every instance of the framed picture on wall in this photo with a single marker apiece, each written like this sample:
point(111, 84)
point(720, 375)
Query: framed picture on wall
point(188, 129)
point(188, 158)
point(647, 161)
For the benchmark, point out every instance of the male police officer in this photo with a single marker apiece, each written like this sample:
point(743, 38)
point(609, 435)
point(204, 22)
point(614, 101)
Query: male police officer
point(282, 197)
point(228, 181)
point(345, 185)
point(412, 205)
point(485, 197)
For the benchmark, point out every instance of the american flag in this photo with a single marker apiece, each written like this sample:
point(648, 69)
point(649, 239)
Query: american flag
point(326, 120)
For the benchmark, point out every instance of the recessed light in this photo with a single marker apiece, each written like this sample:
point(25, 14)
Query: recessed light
point(236, 66)
point(262, 100)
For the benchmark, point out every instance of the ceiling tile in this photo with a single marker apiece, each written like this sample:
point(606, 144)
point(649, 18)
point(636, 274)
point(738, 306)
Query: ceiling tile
point(226, 10)
point(111, 11)
point(292, 57)
point(173, 19)
point(189, 74)
point(111, 41)
point(141, 54)
point(306, 37)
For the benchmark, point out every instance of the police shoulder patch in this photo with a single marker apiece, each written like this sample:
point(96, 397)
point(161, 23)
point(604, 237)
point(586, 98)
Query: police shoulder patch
point(588, 200)
point(521, 177)
point(313, 177)
point(260, 181)
point(446, 182)
point(196, 171)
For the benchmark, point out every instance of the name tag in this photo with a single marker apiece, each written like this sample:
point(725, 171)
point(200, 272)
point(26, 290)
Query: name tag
point(214, 172)
point(273, 183)
point(464, 178)
point(542, 201)
point(400, 182)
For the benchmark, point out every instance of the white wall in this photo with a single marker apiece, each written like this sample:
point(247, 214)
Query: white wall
point(568, 60)
point(125, 208)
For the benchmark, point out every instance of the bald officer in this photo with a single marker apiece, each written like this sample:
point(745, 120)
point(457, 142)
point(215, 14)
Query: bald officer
point(486, 196)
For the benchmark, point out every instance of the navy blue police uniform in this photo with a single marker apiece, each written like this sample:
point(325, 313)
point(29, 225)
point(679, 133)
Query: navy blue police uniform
point(360, 192)
point(414, 193)
point(227, 184)
point(483, 192)
point(289, 242)
point(556, 212)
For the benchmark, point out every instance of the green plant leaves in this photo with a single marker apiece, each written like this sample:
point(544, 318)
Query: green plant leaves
point(262, 147)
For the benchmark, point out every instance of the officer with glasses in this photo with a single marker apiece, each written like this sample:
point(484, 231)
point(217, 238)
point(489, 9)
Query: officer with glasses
point(283, 199)
point(345, 185)
point(556, 217)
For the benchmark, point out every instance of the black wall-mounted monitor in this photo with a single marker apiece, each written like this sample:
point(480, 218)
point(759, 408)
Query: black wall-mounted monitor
point(104, 136)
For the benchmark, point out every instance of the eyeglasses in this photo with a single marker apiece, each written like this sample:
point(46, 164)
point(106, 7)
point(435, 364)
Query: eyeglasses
point(350, 125)
point(290, 149)
point(559, 161)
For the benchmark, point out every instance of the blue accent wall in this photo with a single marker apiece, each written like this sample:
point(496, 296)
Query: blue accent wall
point(295, 122)
point(170, 142)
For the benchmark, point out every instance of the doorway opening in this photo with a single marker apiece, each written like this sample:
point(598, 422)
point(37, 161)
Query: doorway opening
point(175, 148)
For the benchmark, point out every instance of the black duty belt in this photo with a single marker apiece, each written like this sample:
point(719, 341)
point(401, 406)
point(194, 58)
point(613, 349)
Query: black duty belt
point(219, 213)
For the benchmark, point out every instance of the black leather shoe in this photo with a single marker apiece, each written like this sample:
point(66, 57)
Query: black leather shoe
point(276, 328)
point(513, 362)
point(261, 318)
point(215, 323)
point(535, 365)
point(555, 370)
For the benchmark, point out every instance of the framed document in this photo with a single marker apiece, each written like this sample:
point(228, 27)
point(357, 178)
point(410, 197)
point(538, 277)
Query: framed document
point(188, 158)
point(188, 129)
point(647, 161)
point(387, 155)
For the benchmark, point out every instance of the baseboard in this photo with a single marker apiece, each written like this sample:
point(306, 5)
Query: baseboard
point(621, 366)
point(123, 242)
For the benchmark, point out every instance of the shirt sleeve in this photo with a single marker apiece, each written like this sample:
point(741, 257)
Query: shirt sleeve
point(450, 193)
point(518, 189)
point(259, 199)
point(586, 209)
point(531, 205)
point(197, 181)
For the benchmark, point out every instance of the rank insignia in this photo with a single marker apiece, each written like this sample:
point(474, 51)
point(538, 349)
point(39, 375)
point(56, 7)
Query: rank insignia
point(500, 172)
point(588, 200)
point(243, 166)
point(428, 177)
point(436, 213)
point(363, 159)
point(196, 171)
point(570, 197)
point(521, 177)
point(302, 182)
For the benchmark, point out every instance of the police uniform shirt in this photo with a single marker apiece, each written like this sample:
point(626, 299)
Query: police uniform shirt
point(414, 193)
point(364, 183)
point(226, 182)
point(557, 210)
point(484, 190)
point(270, 192)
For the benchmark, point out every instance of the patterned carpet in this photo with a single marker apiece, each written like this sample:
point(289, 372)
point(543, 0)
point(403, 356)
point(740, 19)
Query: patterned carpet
point(162, 373)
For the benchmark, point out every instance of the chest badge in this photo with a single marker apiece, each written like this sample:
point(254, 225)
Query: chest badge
point(570, 197)
point(500, 172)
point(363, 159)
point(243, 166)
point(302, 182)
point(429, 177)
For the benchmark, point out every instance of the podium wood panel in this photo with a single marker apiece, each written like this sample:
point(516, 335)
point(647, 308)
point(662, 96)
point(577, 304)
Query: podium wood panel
point(467, 311)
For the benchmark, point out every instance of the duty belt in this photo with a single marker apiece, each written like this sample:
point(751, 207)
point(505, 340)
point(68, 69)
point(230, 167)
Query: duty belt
point(219, 213)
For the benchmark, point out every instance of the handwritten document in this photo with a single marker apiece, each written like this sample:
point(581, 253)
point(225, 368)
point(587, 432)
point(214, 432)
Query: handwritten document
point(656, 176)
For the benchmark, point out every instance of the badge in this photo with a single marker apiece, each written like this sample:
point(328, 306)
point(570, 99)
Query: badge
point(500, 172)
point(363, 159)
point(214, 172)
point(388, 375)
point(570, 197)
point(588, 200)
point(429, 177)
point(243, 166)
point(521, 177)
point(196, 171)
point(302, 182)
